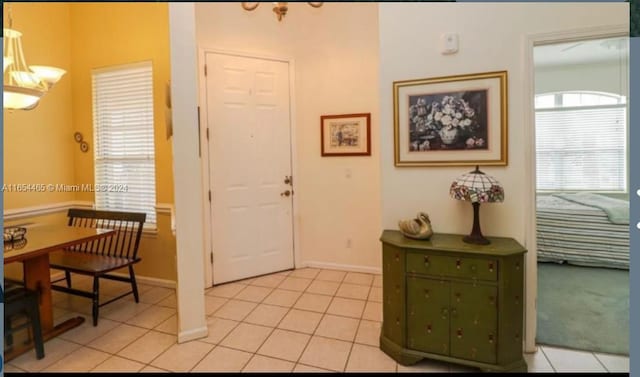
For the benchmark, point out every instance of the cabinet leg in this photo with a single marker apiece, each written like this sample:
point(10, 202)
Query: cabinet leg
point(397, 353)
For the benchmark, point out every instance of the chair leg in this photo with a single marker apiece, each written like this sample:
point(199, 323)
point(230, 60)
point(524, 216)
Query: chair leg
point(96, 297)
point(67, 276)
point(34, 315)
point(8, 335)
point(134, 284)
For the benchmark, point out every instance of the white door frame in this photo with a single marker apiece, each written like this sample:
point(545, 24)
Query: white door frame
point(204, 148)
point(530, 41)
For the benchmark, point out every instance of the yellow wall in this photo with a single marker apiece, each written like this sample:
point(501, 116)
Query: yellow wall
point(38, 144)
point(106, 34)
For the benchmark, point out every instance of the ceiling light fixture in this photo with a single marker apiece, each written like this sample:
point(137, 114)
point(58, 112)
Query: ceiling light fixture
point(23, 85)
point(280, 8)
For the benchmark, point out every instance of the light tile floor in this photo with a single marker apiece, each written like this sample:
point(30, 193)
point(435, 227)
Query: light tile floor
point(302, 320)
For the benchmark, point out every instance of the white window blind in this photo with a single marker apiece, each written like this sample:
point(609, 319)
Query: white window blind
point(123, 139)
point(582, 147)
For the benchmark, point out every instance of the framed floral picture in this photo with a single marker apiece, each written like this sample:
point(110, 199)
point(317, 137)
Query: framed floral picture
point(451, 121)
point(345, 135)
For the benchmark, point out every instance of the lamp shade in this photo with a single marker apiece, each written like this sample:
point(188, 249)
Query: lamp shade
point(477, 187)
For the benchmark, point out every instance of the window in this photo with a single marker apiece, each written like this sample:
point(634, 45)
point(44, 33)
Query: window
point(123, 139)
point(581, 141)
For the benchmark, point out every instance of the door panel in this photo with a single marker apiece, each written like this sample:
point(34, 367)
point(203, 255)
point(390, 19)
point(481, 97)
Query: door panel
point(428, 315)
point(393, 293)
point(249, 149)
point(474, 321)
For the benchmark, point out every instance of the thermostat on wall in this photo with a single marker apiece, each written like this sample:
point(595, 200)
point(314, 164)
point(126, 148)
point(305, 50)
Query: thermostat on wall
point(449, 43)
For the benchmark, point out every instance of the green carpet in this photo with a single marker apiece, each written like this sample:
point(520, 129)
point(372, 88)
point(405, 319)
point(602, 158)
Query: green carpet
point(583, 308)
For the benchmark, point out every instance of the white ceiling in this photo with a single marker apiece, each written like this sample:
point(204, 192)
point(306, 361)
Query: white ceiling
point(581, 52)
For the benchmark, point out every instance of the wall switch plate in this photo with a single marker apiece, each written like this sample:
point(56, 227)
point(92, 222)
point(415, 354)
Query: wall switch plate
point(449, 43)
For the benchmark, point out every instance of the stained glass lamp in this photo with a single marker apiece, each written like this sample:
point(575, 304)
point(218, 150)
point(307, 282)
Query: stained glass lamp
point(476, 187)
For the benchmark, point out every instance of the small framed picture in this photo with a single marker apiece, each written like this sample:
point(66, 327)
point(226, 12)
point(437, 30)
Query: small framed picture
point(451, 121)
point(346, 135)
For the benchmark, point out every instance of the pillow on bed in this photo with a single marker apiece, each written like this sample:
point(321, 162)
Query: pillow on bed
point(617, 209)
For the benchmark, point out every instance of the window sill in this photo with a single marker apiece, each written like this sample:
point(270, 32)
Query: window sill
point(150, 232)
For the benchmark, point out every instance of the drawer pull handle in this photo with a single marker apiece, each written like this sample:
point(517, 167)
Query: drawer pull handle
point(459, 333)
point(445, 313)
point(517, 265)
point(517, 336)
point(426, 261)
point(458, 263)
point(491, 267)
point(428, 329)
point(397, 257)
point(491, 338)
point(454, 313)
point(457, 296)
point(492, 300)
point(426, 293)
point(517, 300)
point(398, 321)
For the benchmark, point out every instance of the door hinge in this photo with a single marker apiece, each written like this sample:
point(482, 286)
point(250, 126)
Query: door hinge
point(207, 133)
point(211, 256)
point(209, 195)
point(205, 69)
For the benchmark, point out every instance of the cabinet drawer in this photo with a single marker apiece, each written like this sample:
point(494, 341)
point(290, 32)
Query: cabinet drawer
point(478, 268)
point(428, 264)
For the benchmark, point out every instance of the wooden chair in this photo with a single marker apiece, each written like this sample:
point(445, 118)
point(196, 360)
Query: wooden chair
point(98, 258)
point(21, 301)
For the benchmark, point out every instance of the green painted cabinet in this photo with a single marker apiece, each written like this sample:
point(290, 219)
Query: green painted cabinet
point(448, 300)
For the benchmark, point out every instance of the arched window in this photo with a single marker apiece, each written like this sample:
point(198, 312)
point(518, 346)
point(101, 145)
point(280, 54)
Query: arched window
point(581, 140)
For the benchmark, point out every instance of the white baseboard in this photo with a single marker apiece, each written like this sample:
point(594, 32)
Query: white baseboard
point(193, 334)
point(342, 267)
point(165, 283)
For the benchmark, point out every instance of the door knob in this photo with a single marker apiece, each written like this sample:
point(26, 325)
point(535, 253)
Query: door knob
point(286, 193)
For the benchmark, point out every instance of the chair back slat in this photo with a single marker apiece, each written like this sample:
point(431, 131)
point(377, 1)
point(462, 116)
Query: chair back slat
point(128, 231)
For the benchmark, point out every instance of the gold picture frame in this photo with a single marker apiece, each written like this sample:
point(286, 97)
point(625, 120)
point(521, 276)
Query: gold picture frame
point(451, 121)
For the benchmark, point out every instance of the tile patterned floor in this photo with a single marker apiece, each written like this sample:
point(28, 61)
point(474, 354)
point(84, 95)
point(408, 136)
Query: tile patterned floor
point(302, 320)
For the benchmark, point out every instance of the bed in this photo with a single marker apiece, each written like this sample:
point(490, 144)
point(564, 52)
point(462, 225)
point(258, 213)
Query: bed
point(583, 229)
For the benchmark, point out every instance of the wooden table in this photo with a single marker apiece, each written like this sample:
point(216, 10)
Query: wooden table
point(41, 241)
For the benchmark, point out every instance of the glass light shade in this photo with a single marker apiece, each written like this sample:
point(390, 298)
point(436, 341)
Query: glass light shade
point(26, 79)
point(16, 98)
point(50, 75)
point(11, 33)
point(6, 61)
point(477, 187)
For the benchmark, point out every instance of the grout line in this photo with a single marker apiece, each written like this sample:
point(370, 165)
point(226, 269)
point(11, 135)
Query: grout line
point(600, 361)
point(548, 360)
point(203, 357)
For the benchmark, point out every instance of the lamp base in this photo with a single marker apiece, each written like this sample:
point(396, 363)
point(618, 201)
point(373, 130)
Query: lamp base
point(476, 239)
point(476, 236)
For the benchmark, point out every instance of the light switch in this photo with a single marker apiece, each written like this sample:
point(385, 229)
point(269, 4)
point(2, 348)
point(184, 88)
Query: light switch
point(449, 43)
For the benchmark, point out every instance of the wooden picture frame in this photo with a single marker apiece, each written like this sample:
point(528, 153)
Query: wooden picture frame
point(345, 135)
point(451, 121)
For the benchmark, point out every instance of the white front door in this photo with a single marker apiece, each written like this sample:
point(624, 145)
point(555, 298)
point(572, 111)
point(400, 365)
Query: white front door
point(249, 162)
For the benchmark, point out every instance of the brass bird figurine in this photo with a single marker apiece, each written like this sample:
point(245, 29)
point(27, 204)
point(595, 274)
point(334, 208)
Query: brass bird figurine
point(418, 228)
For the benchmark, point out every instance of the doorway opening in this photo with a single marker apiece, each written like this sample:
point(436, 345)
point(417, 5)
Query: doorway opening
point(581, 194)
